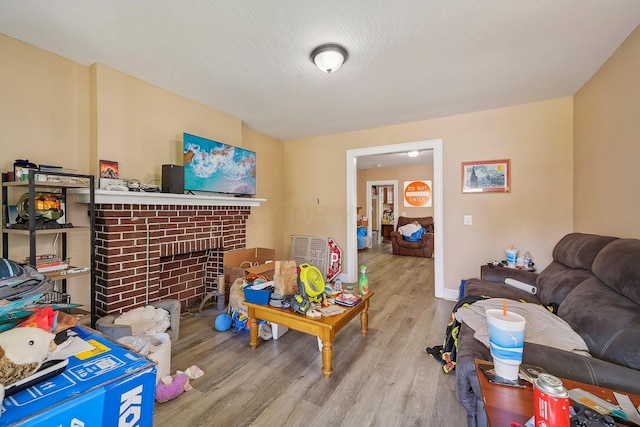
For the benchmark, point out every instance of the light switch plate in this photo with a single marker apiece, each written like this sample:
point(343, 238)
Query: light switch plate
point(468, 220)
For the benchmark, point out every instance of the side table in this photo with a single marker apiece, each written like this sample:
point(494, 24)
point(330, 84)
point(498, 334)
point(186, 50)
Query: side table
point(386, 231)
point(504, 404)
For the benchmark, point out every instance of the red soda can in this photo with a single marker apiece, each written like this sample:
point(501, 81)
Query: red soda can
point(550, 401)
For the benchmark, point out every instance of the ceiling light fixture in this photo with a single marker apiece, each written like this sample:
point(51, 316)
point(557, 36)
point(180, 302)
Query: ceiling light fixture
point(413, 153)
point(329, 57)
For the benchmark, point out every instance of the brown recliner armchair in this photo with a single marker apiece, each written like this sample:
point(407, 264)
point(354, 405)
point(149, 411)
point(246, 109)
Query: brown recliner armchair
point(422, 248)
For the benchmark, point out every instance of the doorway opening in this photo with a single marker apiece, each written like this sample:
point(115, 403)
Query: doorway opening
point(351, 250)
point(377, 207)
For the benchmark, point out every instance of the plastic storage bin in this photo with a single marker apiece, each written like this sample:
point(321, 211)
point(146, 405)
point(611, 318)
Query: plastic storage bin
point(157, 347)
point(257, 296)
point(278, 330)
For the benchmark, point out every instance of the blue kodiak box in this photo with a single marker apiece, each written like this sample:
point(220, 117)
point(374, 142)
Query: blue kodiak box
point(106, 386)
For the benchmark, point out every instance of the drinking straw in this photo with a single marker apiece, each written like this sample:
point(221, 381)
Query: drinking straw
point(504, 308)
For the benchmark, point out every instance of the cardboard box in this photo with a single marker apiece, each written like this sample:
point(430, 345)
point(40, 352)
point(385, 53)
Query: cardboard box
point(235, 262)
point(109, 385)
point(267, 270)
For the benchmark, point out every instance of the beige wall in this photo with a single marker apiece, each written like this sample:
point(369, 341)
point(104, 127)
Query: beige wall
point(409, 173)
point(607, 146)
point(140, 125)
point(44, 108)
point(44, 117)
point(265, 226)
point(536, 137)
point(56, 111)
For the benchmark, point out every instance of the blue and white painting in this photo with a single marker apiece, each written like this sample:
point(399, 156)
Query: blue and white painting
point(218, 167)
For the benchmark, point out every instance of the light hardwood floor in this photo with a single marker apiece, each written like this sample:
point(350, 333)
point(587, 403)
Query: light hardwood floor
point(384, 379)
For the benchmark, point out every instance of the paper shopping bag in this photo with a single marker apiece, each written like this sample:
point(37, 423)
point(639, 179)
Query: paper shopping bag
point(285, 277)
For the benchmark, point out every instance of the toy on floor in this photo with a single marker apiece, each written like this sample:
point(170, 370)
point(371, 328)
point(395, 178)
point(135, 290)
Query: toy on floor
point(22, 351)
point(193, 372)
point(223, 322)
point(171, 387)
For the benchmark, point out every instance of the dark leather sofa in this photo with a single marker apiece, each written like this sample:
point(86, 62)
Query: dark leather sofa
point(595, 282)
point(422, 248)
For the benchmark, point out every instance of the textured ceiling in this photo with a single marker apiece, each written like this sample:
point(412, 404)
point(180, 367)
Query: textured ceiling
point(408, 60)
point(394, 160)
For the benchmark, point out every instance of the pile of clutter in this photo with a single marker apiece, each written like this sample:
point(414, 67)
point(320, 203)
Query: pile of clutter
point(307, 294)
point(148, 319)
point(236, 319)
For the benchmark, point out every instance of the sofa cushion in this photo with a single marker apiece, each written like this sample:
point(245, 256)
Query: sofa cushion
point(608, 322)
point(618, 266)
point(557, 280)
point(578, 250)
point(573, 257)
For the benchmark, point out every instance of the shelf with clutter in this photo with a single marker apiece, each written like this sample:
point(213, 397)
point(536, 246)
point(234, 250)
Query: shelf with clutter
point(362, 220)
point(36, 214)
point(362, 223)
point(387, 216)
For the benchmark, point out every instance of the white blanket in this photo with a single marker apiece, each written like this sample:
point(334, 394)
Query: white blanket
point(408, 229)
point(145, 319)
point(543, 327)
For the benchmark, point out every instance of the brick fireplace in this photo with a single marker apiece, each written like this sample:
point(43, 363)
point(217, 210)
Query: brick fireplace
point(147, 250)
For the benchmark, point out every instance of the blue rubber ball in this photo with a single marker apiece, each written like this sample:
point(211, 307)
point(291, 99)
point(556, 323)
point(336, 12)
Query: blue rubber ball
point(223, 322)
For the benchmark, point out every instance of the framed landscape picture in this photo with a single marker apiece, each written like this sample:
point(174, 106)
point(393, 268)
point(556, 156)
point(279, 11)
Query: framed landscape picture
point(486, 176)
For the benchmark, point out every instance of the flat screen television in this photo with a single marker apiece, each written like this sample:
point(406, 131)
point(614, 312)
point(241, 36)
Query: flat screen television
point(217, 167)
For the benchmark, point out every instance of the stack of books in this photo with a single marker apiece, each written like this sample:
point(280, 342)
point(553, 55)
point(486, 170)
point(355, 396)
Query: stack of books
point(50, 262)
point(348, 299)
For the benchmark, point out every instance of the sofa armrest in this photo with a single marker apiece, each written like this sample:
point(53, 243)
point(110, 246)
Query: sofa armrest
point(498, 274)
point(589, 370)
point(426, 237)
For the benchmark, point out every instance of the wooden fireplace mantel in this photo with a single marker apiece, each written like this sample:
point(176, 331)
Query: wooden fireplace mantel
point(143, 198)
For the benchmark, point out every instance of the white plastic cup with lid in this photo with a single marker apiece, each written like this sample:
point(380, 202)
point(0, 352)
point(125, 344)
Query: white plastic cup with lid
point(506, 341)
point(512, 257)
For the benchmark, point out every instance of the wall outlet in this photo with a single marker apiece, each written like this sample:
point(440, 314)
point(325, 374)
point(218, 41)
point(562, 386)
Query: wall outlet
point(468, 220)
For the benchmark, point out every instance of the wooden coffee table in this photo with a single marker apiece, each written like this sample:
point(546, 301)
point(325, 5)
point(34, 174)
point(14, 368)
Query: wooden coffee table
point(504, 404)
point(324, 328)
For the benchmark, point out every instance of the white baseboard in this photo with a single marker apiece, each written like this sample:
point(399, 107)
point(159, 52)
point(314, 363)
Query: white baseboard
point(451, 294)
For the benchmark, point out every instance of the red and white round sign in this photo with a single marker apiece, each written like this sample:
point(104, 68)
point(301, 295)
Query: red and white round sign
point(417, 194)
